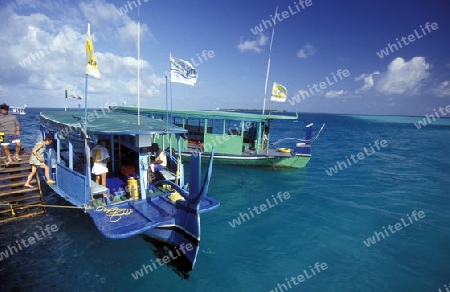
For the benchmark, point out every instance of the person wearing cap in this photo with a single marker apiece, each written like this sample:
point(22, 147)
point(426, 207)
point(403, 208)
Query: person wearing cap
point(160, 161)
point(10, 127)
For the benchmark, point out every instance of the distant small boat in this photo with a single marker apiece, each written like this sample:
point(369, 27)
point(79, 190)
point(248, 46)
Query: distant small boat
point(17, 110)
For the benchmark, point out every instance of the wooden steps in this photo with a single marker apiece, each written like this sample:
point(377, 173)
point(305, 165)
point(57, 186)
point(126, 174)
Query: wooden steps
point(23, 200)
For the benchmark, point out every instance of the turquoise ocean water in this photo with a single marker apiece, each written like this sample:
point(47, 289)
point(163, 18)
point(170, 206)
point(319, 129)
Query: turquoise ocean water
point(326, 220)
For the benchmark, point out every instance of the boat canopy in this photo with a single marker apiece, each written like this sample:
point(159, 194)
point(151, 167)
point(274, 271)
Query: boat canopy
point(107, 121)
point(205, 114)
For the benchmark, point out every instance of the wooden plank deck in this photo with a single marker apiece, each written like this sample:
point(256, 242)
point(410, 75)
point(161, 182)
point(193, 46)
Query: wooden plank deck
point(14, 195)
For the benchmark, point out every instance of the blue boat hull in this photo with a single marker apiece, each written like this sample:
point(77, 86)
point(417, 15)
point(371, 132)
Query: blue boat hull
point(174, 222)
point(155, 218)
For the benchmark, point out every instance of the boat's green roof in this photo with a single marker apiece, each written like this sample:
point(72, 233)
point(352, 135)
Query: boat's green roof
point(210, 114)
point(105, 121)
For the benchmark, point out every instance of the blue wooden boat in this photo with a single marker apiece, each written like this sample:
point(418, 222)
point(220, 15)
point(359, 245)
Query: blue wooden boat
point(166, 210)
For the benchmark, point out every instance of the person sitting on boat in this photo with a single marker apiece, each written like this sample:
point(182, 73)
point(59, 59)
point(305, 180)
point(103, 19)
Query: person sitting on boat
point(100, 156)
point(37, 160)
point(252, 136)
point(159, 163)
point(10, 127)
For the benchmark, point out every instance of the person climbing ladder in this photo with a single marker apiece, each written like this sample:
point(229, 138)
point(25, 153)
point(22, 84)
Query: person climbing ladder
point(37, 160)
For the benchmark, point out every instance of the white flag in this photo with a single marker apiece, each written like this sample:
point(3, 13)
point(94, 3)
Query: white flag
point(182, 71)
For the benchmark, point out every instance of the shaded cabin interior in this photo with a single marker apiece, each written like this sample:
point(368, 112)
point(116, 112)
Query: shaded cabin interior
point(129, 148)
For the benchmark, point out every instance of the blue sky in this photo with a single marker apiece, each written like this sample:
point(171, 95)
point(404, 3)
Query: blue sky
point(43, 47)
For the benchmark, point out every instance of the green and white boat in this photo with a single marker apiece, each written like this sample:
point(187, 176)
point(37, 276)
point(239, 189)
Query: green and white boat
point(228, 133)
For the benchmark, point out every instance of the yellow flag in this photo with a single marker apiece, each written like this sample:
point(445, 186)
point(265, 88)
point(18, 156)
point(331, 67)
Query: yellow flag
point(279, 93)
point(91, 62)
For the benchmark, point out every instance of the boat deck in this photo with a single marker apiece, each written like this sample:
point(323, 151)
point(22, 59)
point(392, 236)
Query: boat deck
point(247, 153)
point(141, 215)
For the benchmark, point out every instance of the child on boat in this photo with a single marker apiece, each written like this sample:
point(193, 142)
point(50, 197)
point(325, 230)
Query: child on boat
point(37, 160)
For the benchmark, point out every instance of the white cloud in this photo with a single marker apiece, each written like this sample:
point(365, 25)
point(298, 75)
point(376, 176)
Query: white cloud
point(128, 33)
point(255, 45)
point(43, 55)
point(98, 12)
point(368, 82)
point(403, 77)
point(307, 51)
point(443, 89)
point(334, 93)
point(125, 29)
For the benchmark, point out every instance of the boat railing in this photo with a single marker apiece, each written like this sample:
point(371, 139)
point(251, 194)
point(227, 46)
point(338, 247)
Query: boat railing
point(67, 179)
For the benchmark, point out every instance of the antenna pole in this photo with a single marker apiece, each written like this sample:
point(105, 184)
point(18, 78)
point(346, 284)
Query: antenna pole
point(268, 63)
point(167, 108)
point(138, 66)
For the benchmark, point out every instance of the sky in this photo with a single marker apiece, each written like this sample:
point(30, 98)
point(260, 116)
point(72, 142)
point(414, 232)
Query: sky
point(353, 57)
